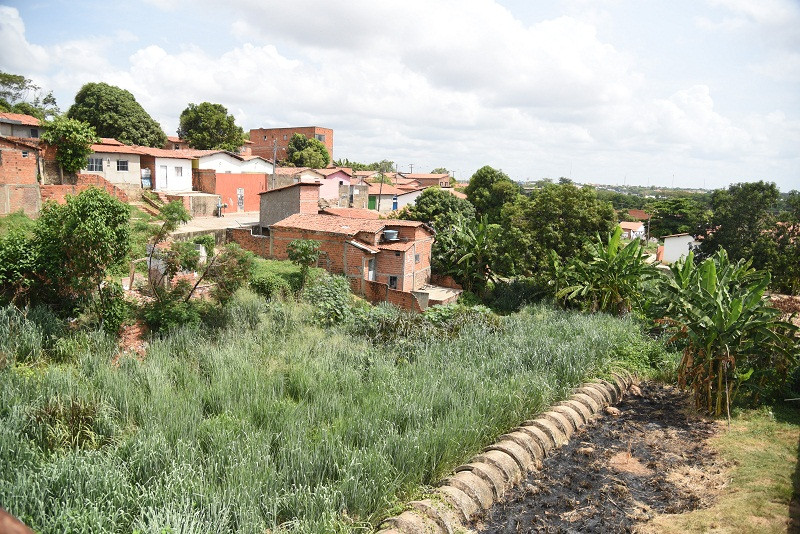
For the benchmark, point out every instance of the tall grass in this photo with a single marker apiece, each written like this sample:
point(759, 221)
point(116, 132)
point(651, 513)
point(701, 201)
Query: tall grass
point(282, 426)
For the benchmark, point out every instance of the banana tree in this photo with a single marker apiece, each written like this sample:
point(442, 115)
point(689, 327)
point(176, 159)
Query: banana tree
point(730, 335)
point(612, 279)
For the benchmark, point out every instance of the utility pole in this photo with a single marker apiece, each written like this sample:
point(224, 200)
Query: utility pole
point(274, 160)
point(412, 168)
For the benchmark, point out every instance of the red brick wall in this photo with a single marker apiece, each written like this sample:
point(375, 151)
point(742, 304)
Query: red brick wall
point(264, 147)
point(204, 180)
point(257, 244)
point(445, 281)
point(22, 197)
point(84, 181)
point(16, 169)
point(377, 292)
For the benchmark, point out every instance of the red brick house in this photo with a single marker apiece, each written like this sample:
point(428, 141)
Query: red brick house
point(263, 140)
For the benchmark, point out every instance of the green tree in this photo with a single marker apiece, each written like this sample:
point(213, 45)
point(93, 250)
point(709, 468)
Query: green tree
point(77, 243)
point(731, 337)
point(18, 94)
point(438, 208)
point(613, 277)
point(785, 261)
point(557, 217)
point(489, 190)
point(305, 152)
point(208, 126)
point(742, 223)
point(305, 253)
point(73, 140)
point(114, 112)
point(440, 170)
point(469, 253)
point(676, 215)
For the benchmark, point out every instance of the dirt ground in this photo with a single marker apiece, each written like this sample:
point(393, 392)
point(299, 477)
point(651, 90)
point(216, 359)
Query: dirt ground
point(619, 471)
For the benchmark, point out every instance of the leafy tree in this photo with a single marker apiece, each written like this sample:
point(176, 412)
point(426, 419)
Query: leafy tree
point(19, 260)
point(208, 126)
point(230, 269)
point(305, 152)
point(676, 215)
point(77, 243)
point(114, 112)
point(612, 279)
point(379, 166)
point(305, 253)
point(741, 220)
point(440, 170)
point(489, 189)
point(559, 218)
point(731, 337)
point(469, 253)
point(73, 140)
point(438, 208)
point(784, 264)
point(18, 94)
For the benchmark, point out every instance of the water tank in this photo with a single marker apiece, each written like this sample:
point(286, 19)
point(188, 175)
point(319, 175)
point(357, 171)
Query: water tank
point(390, 235)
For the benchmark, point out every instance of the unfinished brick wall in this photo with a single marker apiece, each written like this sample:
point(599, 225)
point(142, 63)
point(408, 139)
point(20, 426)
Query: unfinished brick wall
point(18, 164)
point(204, 180)
point(23, 197)
point(376, 292)
point(257, 244)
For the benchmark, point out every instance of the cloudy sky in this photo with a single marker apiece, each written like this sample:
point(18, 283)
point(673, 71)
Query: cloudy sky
point(686, 92)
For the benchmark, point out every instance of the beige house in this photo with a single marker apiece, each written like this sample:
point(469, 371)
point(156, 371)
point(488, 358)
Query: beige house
point(118, 163)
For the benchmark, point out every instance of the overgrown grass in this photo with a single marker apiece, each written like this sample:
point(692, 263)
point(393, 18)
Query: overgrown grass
point(15, 221)
point(273, 422)
point(762, 446)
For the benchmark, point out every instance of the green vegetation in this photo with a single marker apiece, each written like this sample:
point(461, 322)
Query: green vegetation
point(114, 112)
point(208, 126)
point(379, 166)
point(15, 222)
point(305, 152)
point(761, 445)
point(18, 94)
point(271, 421)
point(304, 253)
point(438, 208)
point(73, 140)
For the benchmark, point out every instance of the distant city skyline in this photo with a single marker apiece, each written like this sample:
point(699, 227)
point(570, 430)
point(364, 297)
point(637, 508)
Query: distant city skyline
point(604, 91)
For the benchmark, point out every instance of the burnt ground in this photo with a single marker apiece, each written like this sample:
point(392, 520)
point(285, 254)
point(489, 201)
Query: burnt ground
point(619, 471)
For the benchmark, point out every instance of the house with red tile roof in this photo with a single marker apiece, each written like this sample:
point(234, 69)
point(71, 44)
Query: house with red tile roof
point(20, 125)
point(383, 197)
point(118, 164)
point(442, 180)
point(632, 230)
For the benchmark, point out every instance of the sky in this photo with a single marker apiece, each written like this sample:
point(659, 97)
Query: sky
point(686, 93)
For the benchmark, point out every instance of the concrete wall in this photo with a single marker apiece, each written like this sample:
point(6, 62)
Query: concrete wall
point(278, 204)
point(173, 180)
point(677, 246)
point(20, 130)
point(408, 198)
point(222, 163)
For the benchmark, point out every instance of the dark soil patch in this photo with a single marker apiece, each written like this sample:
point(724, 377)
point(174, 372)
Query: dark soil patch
point(619, 471)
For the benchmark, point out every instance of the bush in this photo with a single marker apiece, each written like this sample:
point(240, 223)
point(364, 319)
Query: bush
point(330, 295)
point(111, 308)
point(208, 243)
point(512, 296)
point(171, 310)
point(271, 286)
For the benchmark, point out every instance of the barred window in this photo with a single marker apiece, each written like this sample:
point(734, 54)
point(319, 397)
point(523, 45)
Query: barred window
point(122, 165)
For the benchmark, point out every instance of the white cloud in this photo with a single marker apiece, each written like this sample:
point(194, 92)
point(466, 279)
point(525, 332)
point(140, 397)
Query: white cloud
point(16, 53)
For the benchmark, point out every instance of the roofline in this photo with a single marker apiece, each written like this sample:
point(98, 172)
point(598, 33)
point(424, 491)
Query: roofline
point(315, 184)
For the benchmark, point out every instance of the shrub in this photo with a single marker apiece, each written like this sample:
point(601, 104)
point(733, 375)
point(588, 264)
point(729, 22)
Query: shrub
point(171, 310)
point(330, 295)
point(208, 243)
point(271, 286)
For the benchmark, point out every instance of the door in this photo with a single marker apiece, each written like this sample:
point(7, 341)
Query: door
point(161, 181)
point(394, 202)
point(372, 204)
point(371, 269)
point(240, 198)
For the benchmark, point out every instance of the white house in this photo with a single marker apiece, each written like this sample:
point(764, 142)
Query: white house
point(223, 161)
point(168, 171)
point(632, 230)
point(408, 197)
point(119, 164)
point(677, 246)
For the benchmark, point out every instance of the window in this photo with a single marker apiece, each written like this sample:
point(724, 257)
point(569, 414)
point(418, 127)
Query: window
point(392, 282)
point(95, 164)
point(416, 258)
point(320, 137)
point(285, 137)
point(265, 138)
point(24, 153)
point(35, 133)
point(122, 165)
point(178, 171)
point(176, 147)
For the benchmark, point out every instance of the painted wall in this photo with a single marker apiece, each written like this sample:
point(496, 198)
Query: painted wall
point(176, 177)
point(251, 184)
point(222, 162)
point(677, 246)
point(132, 176)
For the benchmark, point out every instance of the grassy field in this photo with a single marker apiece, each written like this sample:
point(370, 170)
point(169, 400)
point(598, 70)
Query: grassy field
point(270, 422)
point(762, 446)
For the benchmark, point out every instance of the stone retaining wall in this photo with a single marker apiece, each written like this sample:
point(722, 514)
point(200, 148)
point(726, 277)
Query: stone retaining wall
point(474, 487)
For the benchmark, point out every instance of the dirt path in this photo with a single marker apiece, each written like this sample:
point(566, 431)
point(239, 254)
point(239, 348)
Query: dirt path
point(619, 471)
